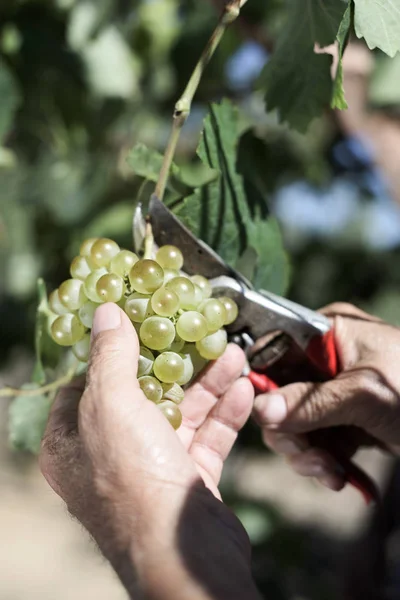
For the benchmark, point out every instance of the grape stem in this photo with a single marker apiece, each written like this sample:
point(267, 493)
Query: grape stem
point(148, 241)
point(229, 14)
point(9, 392)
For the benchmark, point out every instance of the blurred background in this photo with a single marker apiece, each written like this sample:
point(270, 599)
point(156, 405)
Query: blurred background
point(80, 83)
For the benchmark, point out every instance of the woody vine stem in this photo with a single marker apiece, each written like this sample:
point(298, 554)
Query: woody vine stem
point(229, 14)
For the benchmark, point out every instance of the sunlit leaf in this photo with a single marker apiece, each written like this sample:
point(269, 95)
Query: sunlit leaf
point(27, 420)
point(338, 98)
point(378, 22)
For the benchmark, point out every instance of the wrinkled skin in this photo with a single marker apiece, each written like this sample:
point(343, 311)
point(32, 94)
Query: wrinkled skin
point(363, 400)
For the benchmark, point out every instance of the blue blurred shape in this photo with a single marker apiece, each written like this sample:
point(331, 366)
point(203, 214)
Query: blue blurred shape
point(354, 154)
point(245, 65)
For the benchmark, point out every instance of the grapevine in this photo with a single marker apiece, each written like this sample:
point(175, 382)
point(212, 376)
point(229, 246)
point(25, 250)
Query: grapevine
point(179, 324)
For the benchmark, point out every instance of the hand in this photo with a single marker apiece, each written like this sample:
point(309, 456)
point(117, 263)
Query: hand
point(360, 407)
point(147, 494)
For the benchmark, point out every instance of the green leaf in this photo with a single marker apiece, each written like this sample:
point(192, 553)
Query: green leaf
point(147, 163)
point(273, 268)
point(217, 213)
point(230, 214)
point(27, 420)
point(385, 84)
point(10, 99)
point(378, 22)
point(338, 98)
point(38, 375)
point(297, 81)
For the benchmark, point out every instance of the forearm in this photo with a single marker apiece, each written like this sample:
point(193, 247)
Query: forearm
point(186, 548)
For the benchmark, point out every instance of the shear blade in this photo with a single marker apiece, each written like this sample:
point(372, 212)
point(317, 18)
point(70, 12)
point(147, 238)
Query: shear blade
point(199, 258)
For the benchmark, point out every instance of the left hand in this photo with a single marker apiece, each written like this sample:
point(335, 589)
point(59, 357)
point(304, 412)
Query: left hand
point(137, 485)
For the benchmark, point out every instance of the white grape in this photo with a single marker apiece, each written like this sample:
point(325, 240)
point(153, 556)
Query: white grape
point(81, 349)
point(171, 412)
point(86, 313)
point(157, 333)
point(71, 293)
point(151, 388)
point(173, 392)
point(212, 346)
point(168, 367)
point(191, 326)
point(137, 307)
point(145, 363)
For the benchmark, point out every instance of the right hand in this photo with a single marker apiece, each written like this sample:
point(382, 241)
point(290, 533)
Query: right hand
point(364, 398)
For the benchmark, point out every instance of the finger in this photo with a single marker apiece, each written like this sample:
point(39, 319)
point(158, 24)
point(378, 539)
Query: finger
point(284, 443)
point(119, 427)
point(202, 396)
point(319, 464)
point(112, 395)
point(214, 440)
point(344, 309)
point(304, 407)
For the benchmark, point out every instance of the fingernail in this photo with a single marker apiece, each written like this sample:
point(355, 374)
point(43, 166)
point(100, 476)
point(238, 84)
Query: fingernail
point(273, 408)
point(288, 446)
point(106, 317)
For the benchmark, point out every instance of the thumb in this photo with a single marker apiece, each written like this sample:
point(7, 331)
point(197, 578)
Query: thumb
point(305, 407)
point(114, 355)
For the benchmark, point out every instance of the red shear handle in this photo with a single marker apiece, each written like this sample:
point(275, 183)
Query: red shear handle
point(322, 352)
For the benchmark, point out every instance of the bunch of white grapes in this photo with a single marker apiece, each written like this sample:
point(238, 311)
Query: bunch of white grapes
point(180, 327)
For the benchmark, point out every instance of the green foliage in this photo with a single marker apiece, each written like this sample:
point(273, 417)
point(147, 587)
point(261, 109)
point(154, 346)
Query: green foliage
point(232, 222)
point(10, 99)
point(42, 313)
point(338, 97)
point(147, 162)
point(297, 81)
point(379, 24)
point(385, 84)
point(27, 420)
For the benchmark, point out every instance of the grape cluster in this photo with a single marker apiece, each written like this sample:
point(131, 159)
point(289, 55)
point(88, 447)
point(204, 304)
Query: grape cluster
point(179, 324)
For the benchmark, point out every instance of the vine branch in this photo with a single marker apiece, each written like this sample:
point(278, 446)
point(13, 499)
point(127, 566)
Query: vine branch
point(229, 14)
point(9, 392)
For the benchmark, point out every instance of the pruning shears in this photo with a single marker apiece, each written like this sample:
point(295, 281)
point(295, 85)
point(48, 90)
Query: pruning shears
point(272, 330)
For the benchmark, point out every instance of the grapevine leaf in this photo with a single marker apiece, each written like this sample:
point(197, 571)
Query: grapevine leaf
point(378, 22)
point(147, 163)
point(27, 420)
point(297, 81)
point(272, 269)
point(338, 98)
point(10, 99)
point(218, 213)
point(231, 214)
point(38, 375)
point(385, 85)
point(247, 263)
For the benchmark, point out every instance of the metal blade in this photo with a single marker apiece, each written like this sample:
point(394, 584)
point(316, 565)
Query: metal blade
point(199, 258)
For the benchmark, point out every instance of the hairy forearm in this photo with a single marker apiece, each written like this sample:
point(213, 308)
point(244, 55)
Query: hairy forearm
point(185, 547)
